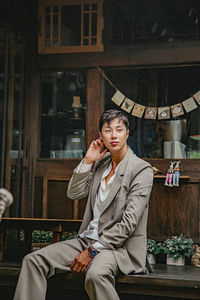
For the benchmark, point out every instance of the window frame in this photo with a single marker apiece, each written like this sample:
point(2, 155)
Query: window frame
point(98, 47)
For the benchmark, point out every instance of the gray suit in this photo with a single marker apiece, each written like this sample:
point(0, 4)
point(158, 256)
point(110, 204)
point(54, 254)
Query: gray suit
point(123, 222)
point(122, 230)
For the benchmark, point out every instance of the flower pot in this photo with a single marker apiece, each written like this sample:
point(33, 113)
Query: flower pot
point(37, 246)
point(151, 259)
point(180, 261)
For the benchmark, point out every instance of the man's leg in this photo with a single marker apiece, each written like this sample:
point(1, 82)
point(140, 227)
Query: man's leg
point(42, 264)
point(100, 277)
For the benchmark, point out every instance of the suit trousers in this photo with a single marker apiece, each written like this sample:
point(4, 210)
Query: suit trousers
point(40, 265)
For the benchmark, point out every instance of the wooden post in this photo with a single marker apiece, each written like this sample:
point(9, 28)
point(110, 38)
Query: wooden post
point(94, 104)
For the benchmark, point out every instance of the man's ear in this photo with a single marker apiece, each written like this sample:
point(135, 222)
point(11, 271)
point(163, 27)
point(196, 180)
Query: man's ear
point(128, 133)
point(100, 135)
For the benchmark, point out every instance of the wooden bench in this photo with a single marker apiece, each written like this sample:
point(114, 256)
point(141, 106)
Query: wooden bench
point(167, 281)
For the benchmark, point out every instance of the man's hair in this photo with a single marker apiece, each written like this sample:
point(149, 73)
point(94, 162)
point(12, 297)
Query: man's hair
point(111, 114)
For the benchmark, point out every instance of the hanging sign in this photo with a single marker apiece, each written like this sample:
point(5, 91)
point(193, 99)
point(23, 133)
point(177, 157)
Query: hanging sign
point(151, 113)
point(127, 105)
point(189, 104)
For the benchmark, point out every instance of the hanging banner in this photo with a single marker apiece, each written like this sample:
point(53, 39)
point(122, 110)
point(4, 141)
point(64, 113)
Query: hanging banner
point(127, 105)
point(189, 104)
point(163, 113)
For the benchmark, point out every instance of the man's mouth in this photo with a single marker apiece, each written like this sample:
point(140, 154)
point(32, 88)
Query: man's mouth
point(114, 143)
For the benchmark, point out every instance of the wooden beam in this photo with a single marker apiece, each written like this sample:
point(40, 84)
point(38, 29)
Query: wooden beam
point(180, 54)
point(94, 104)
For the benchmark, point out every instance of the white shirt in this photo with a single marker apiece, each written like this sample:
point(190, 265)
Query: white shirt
point(101, 196)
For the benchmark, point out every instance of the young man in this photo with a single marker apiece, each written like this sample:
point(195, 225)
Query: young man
point(112, 237)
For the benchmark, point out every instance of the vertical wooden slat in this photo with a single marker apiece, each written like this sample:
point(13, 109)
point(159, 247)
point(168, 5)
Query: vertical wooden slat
point(10, 116)
point(100, 23)
point(82, 20)
point(51, 27)
point(5, 105)
point(41, 37)
point(76, 209)
point(44, 198)
point(90, 24)
point(2, 238)
point(94, 104)
point(59, 25)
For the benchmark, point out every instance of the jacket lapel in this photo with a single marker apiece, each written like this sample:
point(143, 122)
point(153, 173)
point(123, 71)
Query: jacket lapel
point(97, 179)
point(116, 185)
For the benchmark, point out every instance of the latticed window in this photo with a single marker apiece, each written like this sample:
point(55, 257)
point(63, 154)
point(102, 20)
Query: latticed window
point(70, 26)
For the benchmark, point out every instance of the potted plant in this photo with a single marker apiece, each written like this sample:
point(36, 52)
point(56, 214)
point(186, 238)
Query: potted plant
point(176, 248)
point(41, 238)
point(153, 249)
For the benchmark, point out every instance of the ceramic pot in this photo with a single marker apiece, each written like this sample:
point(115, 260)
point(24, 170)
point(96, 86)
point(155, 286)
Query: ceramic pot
point(151, 259)
point(180, 261)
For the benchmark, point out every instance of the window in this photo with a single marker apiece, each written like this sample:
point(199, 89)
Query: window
point(63, 115)
point(70, 26)
point(174, 137)
point(157, 21)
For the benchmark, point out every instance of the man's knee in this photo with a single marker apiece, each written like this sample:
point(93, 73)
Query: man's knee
point(31, 258)
point(28, 258)
point(95, 275)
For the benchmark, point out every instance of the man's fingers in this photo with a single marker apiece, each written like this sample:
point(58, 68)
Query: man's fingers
point(73, 264)
point(78, 268)
point(83, 268)
point(74, 268)
point(103, 153)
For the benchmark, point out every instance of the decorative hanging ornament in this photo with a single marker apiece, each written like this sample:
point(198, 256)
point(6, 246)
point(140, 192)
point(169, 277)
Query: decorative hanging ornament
point(189, 104)
point(118, 98)
point(138, 110)
point(151, 112)
point(127, 105)
point(163, 113)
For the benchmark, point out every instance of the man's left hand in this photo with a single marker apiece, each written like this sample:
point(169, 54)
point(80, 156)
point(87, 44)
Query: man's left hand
point(80, 262)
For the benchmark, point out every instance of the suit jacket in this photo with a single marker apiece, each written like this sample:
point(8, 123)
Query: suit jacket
point(123, 221)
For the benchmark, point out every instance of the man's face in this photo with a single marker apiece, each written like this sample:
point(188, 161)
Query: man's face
point(114, 135)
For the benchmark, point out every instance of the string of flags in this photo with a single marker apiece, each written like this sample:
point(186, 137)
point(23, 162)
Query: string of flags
point(164, 112)
point(139, 110)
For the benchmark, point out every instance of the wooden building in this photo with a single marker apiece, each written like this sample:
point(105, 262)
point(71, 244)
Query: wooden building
point(61, 63)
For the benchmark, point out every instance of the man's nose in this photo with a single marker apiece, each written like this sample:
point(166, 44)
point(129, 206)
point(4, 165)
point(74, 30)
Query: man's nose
point(113, 134)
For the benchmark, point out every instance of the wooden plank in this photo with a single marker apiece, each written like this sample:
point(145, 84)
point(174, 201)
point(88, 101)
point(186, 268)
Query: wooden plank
point(188, 167)
point(94, 104)
point(169, 281)
point(173, 211)
point(44, 198)
point(37, 223)
point(125, 56)
point(45, 193)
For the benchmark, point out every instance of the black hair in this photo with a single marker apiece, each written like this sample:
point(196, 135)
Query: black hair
point(111, 114)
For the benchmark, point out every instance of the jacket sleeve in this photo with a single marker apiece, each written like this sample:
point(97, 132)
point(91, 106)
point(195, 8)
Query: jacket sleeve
point(137, 201)
point(79, 184)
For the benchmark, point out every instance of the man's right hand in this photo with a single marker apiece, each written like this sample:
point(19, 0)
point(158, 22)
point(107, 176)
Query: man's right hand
point(94, 152)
